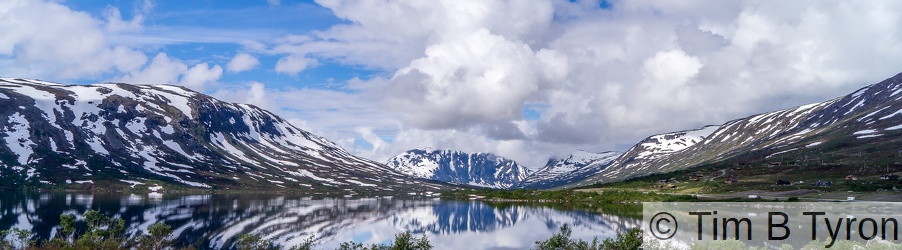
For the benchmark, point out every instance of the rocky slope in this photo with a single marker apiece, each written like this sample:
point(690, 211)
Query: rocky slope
point(64, 135)
point(839, 131)
point(477, 169)
point(578, 166)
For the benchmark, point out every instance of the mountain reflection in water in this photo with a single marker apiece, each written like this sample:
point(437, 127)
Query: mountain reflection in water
point(214, 220)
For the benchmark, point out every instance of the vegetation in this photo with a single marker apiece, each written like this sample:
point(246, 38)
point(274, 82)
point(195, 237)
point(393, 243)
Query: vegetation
point(403, 241)
point(102, 232)
point(569, 195)
point(741, 178)
point(106, 233)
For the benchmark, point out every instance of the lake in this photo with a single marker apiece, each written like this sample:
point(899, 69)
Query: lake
point(215, 220)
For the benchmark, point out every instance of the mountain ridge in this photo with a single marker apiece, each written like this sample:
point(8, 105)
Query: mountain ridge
point(477, 169)
point(119, 133)
point(561, 171)
point(868, 115)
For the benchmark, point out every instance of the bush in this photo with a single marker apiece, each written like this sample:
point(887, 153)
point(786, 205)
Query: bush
point(158, 238)
point(403, 241)
point(21, 238)
point(631, 239)
point(561, 240)
point(253, 242)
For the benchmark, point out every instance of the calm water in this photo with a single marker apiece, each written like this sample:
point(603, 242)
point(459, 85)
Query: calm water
point(213, 221)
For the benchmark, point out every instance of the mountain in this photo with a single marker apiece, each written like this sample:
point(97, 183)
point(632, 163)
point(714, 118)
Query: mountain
point(121, 134)
point(477, 169)
point(578, 166)
point(861, 128)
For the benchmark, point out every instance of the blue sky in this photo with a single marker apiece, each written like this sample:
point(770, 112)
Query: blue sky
point(523, 79)
point(183, 23)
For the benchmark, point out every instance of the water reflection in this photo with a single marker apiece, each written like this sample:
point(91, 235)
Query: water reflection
point(213, 221)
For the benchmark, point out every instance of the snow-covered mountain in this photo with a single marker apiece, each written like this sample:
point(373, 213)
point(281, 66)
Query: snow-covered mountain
point(119, 133)
point(578, 166)
point(659, 145)
point(845, 128)
point(477, 169)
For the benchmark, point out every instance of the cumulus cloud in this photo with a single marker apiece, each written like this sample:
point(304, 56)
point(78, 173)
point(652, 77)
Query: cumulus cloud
point(165, 70)
point(115, 23)
point(71, 44)
point(242, 62)
point(253, 92)
point(160, 70)
point(476, 78)
point(608, 76)
point(74, 45)
point(461, 74)
point(293, 64)
point(200, 74)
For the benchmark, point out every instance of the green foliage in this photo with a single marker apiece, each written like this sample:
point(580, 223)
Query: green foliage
point(406, 241)
point(158, 238)
point(403, 241)
point(22, 239)
point(307, 245)
point(562, 241)
point(254, 242)
point(67, 222)
point(631, 239)
point(570, 196)
point(103, 232)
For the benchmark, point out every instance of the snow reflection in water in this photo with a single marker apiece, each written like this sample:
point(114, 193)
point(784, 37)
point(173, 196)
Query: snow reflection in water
point(213, 221)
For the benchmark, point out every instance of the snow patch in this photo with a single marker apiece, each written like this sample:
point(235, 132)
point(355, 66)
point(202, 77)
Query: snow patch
point(864, 132)
point(17, 137)
point(361, 183)
point(891, 115)
point(133, 183)
point(868, 136)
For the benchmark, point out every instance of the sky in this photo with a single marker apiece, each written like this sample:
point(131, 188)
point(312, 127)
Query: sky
point(526, 80)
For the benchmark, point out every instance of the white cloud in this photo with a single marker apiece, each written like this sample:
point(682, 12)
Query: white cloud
point(160, 70)
point(48, 40)
point(165, 70)
point(254, 93)
point(459, 74)
point(199, 75)
point(273, 2)
point(242, 62)
point(115, 23)
point(294, 64)
point(608, 77)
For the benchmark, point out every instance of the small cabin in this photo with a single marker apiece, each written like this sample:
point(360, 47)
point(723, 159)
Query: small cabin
point(731, 180)
point(668, 186)
point(851, 178)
